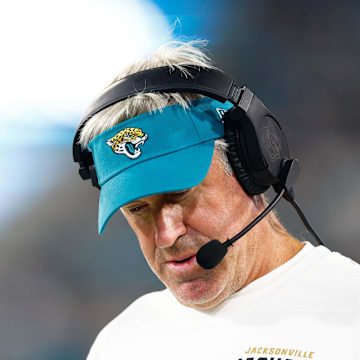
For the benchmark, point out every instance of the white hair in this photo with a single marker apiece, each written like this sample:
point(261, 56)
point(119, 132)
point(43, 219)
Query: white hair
point(175, 55)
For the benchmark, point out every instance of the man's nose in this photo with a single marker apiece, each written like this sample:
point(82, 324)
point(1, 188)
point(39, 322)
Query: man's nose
point(169, 225)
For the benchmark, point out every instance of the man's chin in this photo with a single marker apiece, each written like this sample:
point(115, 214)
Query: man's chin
point(199, 293)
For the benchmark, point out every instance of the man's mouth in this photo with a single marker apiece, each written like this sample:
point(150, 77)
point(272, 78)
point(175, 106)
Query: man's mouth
point(182, 265)
point(182, 261)
point(182, 258)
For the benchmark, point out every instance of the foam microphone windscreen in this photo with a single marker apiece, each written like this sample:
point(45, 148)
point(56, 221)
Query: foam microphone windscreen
point(211, 254)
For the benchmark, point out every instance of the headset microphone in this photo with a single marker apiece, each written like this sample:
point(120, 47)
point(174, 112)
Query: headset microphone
point(214, 251)
point(211, 254)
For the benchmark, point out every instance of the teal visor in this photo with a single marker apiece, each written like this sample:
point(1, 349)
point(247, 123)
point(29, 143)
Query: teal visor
point(154, 153)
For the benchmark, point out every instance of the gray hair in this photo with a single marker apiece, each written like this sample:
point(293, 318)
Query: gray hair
point(175, 55)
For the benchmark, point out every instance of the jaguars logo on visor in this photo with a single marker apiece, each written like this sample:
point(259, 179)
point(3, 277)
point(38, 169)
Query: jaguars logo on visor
point(127, 142)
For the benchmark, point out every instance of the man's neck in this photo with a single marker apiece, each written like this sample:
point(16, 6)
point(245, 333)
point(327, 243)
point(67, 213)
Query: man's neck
point(279, 248)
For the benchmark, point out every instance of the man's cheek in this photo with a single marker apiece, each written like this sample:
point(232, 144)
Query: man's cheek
point(199, 217)
point(147, 249)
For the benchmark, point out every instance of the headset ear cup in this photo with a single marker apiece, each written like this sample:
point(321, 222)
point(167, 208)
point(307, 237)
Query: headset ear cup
point(237, 162)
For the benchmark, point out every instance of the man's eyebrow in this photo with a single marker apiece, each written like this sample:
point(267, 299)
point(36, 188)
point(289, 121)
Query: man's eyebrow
point(137, 201)
point(132, 203)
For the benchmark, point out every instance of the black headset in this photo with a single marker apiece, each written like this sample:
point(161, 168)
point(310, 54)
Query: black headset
point(257, 144)
point(257, 148)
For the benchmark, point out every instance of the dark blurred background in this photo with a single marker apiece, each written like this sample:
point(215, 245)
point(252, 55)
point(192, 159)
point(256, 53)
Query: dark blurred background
point(60, 283)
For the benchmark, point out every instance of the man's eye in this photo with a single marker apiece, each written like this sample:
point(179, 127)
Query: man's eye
point(137, 209)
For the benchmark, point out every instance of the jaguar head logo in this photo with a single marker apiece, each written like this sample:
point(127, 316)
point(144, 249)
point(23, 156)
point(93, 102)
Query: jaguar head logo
point(127, 142)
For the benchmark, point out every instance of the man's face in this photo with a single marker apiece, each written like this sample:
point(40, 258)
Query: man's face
point(172, 227)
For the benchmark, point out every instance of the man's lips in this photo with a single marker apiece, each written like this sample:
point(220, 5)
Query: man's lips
point(181, 258)
point(183, 266)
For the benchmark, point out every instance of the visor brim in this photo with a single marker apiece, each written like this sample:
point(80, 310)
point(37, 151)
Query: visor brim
point(175, 171)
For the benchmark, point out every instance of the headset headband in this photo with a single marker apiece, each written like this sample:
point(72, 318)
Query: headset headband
point(213, 83)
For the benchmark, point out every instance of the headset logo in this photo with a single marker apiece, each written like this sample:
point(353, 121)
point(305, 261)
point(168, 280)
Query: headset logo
point(221, 113)
point(271, 141)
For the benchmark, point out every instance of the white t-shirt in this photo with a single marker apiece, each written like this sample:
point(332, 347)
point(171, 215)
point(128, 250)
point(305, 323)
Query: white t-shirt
point(307, 308)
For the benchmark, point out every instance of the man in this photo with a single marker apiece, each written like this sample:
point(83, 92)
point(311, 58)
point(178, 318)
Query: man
point(272, 297)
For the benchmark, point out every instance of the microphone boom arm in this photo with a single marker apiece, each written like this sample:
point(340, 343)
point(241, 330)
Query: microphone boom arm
point(211, 254)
